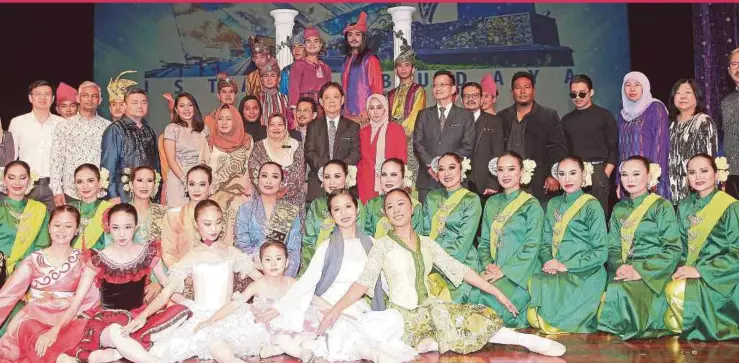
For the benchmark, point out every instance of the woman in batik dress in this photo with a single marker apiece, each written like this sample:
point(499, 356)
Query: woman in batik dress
point(143, 184)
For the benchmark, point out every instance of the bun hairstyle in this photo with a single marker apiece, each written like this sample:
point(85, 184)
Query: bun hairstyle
point(204, 168)
point(121, 208)
point(94, 169)
point(203, 205)
point(338, 162)
point(65, 209)
point(395, 161)
point(711, 160)
point(396, 190)
point(272, 243)
point(20, 163)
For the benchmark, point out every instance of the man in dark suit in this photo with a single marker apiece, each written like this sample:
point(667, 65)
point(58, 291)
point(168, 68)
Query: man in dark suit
point(439, 129)
point(329, 137)
point(489, 142)
point(534, 132)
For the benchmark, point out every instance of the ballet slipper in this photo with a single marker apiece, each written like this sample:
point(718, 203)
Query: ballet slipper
point(544, 346)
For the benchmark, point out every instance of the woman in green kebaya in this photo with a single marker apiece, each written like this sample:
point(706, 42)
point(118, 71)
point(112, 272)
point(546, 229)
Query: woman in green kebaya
point(643, 251)
point(451, 215)
point(393, 175)
point(566, 293)
point(703, 297)
point(89, 182)
point(511, 235)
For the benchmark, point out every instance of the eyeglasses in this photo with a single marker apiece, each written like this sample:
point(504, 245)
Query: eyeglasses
point(41, 95)
point(473, 96)
point(439, 85)
point(574, 95)
point(734, 65)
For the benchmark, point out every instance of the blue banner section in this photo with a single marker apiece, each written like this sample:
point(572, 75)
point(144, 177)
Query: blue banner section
point(176, 46)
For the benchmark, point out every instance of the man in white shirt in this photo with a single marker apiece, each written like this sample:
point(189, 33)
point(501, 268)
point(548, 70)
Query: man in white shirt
point(33, 134)
point(77, 141)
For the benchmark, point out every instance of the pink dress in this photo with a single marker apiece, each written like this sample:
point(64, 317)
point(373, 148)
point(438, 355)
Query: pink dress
point(51, 292)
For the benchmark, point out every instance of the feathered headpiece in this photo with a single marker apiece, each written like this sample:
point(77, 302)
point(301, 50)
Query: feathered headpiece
point(117, 88)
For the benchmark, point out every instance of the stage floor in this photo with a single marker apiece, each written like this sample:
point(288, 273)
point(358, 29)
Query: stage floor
point(588, 348)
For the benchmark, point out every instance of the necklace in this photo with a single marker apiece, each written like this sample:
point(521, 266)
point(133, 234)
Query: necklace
point(84, 220)
point(18, 216)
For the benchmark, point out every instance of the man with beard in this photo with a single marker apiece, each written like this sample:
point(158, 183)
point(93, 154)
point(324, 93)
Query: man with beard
point(361, 72)
point(305, 113)
point(116, 93)
point(534, 132)
point(76, 142)
point(261, 54)
point(297, 48)
point(489, 94)
point(309, 74)
point(489, 142)
point(128, 143)
point(227, 90)
point(730, 117)
point(66, 101)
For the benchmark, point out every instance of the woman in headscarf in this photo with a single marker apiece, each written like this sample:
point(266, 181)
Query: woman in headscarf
point(643, 127)
point(286, 151)
point(227, 153)
point(382, 140)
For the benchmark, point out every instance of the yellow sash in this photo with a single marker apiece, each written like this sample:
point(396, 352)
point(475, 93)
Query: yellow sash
point(437, 284)
point(703, 222)
point(628, 227)
point(29, 226)
point(563, 220)
point(94, 228)
point(383, 225)
point(502, 218)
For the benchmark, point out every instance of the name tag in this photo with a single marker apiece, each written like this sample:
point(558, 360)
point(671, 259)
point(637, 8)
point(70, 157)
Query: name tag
point(455, 125)
point(345, 138)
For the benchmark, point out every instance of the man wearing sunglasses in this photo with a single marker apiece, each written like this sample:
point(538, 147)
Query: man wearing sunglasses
point(592, 134)
point(730, 117)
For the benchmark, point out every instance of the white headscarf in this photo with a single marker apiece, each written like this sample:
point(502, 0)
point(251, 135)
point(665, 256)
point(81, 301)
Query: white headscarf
point(632, 110)
point(381, 127)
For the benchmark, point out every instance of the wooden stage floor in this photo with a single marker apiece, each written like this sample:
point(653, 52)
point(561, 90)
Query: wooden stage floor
point(587, 348)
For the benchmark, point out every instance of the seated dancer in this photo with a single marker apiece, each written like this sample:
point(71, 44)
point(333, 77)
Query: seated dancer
point(405, 259)
point(703, 296)
point(52, 275)
point(566, 293)
point(143, 184)
point(451, 215)
point(393, 175)
point(366, 332)
point(318, 222)
point(91, 185)
point(269, 217)
point(121, 271)
point(18, 213)
point(211, 265)
point(510, 237)
point(266, 291)
point(643, 251)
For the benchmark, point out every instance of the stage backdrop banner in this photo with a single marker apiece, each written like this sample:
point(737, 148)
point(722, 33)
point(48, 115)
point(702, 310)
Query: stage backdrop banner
point(176, 47)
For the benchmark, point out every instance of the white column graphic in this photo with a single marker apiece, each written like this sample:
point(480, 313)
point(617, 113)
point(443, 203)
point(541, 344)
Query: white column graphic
point(402, 18)
point(284, 22)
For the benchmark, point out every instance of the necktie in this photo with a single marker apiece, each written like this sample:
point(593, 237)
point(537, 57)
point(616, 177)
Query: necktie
point(442, 117)
point(331, 137)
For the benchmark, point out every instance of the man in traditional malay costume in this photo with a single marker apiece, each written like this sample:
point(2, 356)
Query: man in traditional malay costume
point(116, 93)
point(361, 72)
point(261, 53)
point(297, 48)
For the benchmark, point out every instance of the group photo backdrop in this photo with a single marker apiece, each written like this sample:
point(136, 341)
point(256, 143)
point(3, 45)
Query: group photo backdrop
point(176, 47)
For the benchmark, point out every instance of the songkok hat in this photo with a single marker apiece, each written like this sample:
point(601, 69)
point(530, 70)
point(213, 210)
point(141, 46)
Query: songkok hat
point(311, 31)
point(488, 84)
point(360, 25)
point(224, 80)
point(271, 66)
point(65, 93)
point(117, 88)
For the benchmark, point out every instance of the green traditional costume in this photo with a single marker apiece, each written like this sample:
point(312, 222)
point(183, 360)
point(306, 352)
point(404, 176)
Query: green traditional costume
point(24, 228)
point(377, 225)
point(707, 308)
point(91, 224)
point(643, 234)
point(575, 235)
point(510, 239)
point(318, 227)
point(451, 218)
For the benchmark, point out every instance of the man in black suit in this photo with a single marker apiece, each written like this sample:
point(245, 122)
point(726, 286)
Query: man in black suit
point(489, 142)
point(534, 132)
point(329, 137)
point(439, 129)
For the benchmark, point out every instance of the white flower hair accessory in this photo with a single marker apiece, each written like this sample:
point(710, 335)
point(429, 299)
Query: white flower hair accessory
point(528, 171)
point(127, 181)
point(587, 174)
point(31, 183)
point(723, 169)
point(351, 176)
point(407, 174)
point(435, 164)
point(466, 166)
point(104, 182)
point(493, 166)
point(655, 172)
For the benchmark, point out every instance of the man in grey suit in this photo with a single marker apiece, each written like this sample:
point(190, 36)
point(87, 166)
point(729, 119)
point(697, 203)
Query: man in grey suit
point(439, 129)
point(329, 137)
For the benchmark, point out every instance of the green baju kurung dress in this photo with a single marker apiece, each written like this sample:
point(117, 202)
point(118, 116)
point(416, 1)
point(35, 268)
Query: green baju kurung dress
point(318, 228)
point(636, 309)
point(709, 306)
point(456, 235)
point(568, 301)
point(91, 224)
point(10, 225)
point(374, 215)
point(516, 255)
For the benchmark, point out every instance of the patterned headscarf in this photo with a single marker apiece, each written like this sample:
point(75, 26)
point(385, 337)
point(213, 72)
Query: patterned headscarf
point(235, 139)
point(632, 110)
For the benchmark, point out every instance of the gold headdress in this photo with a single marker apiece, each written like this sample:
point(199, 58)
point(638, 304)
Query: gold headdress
point(117, 88)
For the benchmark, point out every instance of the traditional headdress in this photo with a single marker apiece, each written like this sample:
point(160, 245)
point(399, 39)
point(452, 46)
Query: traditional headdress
point(298, 38)
point(311, 31)
point(260, 44)
point(488, 84)
point(406, 52)
point(65, 93)
point(360, 25)
point(271, 66)
point(224, 80)
point(117, 88)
